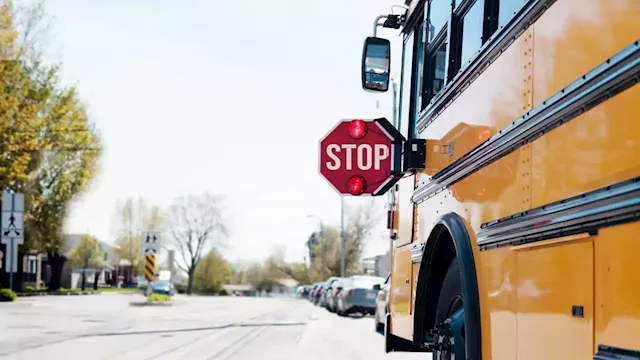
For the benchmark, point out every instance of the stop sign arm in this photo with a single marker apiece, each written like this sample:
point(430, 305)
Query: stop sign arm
point(397, 140)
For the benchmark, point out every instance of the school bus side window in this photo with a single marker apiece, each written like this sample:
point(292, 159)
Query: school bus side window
point(508, 9)
point(435, 64)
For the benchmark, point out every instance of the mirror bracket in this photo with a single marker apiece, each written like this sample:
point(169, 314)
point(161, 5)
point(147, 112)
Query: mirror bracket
point(391, 21)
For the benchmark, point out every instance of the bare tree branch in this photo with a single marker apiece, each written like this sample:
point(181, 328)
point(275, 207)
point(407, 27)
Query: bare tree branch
point(196, 223)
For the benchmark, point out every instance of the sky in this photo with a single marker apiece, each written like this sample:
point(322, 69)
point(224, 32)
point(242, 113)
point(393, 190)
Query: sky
point(226, 97)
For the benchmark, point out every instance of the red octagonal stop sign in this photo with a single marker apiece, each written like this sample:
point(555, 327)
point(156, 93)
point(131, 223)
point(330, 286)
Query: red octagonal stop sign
point(361, 156)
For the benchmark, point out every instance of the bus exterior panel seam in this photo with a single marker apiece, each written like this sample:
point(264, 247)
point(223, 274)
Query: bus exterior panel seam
point(586, 213)
point(615, 75)
point(416, 253)
point(493, 48)
point(606, 352)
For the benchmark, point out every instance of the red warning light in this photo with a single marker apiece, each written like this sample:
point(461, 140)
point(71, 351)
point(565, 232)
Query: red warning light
point(356, 185)
point(357, 129)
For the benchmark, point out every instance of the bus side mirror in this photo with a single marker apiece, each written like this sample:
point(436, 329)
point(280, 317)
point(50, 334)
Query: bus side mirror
point(376, 64)
point(376, 287)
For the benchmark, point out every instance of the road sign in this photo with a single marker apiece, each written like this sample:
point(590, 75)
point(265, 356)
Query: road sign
point(12, 225)
point(361, 157)
point(11, 232)
point(150, 242)
point(149, 267)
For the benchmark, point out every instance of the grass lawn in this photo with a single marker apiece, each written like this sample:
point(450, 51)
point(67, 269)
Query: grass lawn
point(120, 290)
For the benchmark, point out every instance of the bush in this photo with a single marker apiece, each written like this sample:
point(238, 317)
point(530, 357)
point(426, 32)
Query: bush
point(7, 295)
point(159, 297)
point(31, 290)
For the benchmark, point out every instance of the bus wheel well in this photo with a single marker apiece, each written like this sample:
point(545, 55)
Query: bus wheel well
point(448, 240)
point(438, 254)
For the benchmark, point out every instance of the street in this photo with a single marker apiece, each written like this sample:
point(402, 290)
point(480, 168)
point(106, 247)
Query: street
point(106, 327)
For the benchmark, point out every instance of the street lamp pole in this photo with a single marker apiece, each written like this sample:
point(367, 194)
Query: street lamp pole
point(342, 240)
point(324, 249)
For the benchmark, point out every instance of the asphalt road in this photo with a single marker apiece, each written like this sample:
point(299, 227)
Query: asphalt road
point(240, 328)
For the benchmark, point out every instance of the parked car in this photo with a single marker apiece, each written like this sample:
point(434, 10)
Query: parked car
point(382, 304)
point(325, 290)
point(317, 294)
point(163, 287)
point(312, 291)
point(358, 295)
point(332, 292)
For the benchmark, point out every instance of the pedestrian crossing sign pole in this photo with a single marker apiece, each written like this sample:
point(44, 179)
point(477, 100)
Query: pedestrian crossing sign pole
point(149, 267)
point(11, 230)
point(150, 247)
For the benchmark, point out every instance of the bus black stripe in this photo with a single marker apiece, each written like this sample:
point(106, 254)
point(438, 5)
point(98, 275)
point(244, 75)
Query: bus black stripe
point(586, 213)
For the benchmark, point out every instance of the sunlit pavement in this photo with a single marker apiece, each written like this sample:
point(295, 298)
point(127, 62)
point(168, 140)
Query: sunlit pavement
point(106, 327)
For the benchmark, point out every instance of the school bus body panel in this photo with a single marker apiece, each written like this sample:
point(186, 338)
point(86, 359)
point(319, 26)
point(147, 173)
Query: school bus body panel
point(400, 301)
point(528, 292)
point(617, 269)
point(551, 280)
point(601, 146)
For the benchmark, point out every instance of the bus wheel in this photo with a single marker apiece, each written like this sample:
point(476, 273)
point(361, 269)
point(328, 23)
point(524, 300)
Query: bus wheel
point(448, 335)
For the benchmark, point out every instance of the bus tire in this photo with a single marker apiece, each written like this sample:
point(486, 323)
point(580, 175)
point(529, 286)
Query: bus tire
point(451, 298)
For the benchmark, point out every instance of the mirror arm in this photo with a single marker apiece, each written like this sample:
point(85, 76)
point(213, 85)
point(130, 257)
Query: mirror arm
point(376, 23)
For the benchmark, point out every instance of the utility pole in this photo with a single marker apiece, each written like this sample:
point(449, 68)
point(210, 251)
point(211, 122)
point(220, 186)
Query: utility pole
point(324, 249)
point(342, 240)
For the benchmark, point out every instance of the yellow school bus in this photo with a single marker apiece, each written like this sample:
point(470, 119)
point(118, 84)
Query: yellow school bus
point(515, 227)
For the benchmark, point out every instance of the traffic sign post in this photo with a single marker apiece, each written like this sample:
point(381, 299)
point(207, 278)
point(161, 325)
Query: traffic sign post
point(11, 230)
point(361, 157)
point(150, 242)
point(150, 248)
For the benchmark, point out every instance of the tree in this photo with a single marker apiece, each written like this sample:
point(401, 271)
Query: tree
point(64, 173)
point(132, 217)
point(362, 219)
point(48, 150)
point(264, 276)
point(196, 223)
point(212, 272)
point(87, 256)
point(300, 272)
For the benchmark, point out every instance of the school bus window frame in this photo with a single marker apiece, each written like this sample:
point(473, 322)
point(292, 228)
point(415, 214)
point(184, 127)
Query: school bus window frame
point(451, 33)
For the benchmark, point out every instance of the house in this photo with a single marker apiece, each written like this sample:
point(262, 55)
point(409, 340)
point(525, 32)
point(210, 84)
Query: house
point(379, 265)
point(238, 289)
point(72, 276)
point(285, 286)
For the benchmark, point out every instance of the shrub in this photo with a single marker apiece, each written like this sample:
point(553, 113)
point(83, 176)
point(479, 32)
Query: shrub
point(7, 295)
point(32, 289)
point(159, 297)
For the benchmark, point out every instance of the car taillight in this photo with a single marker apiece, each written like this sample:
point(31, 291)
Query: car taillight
point(351, 292)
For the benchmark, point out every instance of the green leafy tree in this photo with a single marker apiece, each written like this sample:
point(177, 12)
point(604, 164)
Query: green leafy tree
point(264, 275)
point(87, 256)
point(300, 272)
point(48, 151)
point(212, 272)
point(65, 173)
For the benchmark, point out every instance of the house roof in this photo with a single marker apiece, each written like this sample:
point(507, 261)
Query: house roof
point(289, 283)
point(238, 287)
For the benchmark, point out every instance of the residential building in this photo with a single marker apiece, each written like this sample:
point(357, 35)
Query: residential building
point(72, 275)
point(379, 265)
